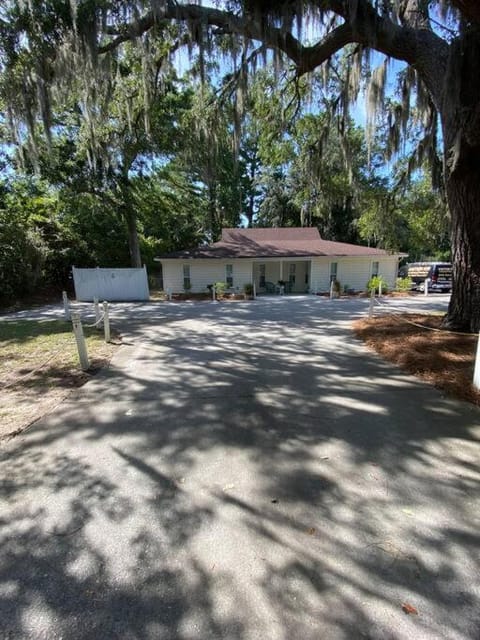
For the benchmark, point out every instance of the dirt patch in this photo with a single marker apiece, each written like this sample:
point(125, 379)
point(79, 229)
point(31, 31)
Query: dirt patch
point(442, 358)
point(39, 368)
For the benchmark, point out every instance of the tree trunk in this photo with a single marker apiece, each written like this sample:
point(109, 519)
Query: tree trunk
point(130, 217)
point(461, 132)
point(249, 211)
point(463, 193)
point(215, 226)
point(133, 243)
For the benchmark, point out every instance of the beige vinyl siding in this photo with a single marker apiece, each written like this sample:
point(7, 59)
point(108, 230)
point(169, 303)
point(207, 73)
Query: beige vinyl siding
point(172, 271)
point(272, 272)
point(242, 273)
point(354, 272)
point(203, 273)
point(320, 275)
point(388, 269)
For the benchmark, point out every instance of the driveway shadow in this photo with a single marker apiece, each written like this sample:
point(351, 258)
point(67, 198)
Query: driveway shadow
point(240, 473)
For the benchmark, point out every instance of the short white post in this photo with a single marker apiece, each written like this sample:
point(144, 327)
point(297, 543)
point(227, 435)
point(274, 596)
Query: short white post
point(331, 289)
point(98, 315)
point(425, 291)
point(254, 291)
point(66, 305)
point(379, 288)
point(476, 371)
point(370, 308)
point(106, 322)
point(169, 294)
point(80, 339)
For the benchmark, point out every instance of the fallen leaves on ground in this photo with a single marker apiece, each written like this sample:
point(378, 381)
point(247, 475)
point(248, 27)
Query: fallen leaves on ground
point(442, 358)
point(409, 609)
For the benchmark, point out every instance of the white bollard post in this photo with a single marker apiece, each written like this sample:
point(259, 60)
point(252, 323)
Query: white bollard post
point(425, 291)
point(66, 305)
point(106, 322)
point(370, 308)
point(476, 371)
point(331, 290)
point(254, 291)
point(98, 315)
point(380, 289)
point(80, 338)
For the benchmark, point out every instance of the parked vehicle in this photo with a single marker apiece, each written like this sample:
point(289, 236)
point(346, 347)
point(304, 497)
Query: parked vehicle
point(439, 275)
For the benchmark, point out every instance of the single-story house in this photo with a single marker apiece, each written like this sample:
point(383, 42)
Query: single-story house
point(299, 257)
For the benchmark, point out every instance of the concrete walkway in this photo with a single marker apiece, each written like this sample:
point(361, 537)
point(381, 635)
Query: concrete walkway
point(244, 471)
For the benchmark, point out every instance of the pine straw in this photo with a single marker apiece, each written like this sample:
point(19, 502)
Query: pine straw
point(444, 359)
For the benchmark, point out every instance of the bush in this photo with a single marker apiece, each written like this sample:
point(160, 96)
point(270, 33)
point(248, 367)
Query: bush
point(220, 288)
point(404, 284)
point(337, 287)
point(374, 284)
point(248, 289)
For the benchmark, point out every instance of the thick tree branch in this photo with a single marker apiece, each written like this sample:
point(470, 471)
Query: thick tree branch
point(312, 57)
point(129, 32)
point(417, 45)
point(420, 47)
point(272, 37)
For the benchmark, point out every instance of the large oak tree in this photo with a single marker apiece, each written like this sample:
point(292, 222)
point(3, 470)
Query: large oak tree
point(439, 42)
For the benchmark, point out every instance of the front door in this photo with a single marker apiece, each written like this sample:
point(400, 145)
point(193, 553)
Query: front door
point(261, 276)
point(292, 275)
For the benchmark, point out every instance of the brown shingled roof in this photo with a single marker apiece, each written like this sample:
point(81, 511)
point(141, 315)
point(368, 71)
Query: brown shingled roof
point(285, 242)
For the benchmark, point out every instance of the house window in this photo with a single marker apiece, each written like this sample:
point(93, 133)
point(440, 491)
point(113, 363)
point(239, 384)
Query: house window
point(292, 269)
point(375, 266)
point(333, 271)
point(261, 279)
point(229, 275)
point(186, 277)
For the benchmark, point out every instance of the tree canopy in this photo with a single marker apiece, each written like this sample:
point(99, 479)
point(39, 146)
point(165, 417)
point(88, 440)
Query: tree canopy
point(53, 49)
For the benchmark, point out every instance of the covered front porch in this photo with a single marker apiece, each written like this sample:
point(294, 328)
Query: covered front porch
point(275, 276)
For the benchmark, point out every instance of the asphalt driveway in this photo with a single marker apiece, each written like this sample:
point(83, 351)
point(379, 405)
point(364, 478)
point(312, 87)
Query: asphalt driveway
point(243, 470)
